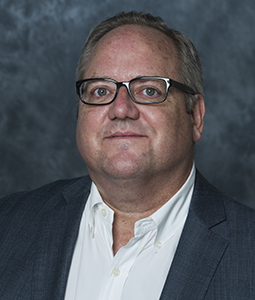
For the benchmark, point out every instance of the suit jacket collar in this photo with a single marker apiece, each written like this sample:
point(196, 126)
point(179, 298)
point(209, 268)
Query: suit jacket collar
point(200, 249)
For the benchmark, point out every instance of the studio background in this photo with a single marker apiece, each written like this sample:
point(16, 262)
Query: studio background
point(40, 44)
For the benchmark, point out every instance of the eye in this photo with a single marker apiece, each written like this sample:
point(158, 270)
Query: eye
point(149, 91)
point(100, 92)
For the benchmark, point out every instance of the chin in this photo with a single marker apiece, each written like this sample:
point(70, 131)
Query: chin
point(123, 170)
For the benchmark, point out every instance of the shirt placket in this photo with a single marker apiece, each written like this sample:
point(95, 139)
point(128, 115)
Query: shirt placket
point(123, 261)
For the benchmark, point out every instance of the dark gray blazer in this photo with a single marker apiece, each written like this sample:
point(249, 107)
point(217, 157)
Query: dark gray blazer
point(215, 258)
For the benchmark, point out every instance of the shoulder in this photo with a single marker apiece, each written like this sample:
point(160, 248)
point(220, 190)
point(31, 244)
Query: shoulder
point(213, 204)
point(35, 200)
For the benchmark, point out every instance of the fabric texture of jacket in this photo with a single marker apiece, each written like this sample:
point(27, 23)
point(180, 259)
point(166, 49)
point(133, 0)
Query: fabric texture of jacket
point(214, 260)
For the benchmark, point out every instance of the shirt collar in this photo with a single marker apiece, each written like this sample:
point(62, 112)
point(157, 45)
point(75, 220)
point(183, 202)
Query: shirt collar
point(166, 219)
point(94, 203)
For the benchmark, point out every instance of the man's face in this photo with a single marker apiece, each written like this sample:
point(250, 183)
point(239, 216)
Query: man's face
point(126, 140)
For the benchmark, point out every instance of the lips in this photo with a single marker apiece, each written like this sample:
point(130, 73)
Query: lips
point(126, 134)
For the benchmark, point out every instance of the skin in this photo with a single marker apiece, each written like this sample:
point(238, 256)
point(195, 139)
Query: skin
point(138, 156)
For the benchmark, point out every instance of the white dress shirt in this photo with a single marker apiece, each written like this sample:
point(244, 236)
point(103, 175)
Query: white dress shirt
point(138, 270)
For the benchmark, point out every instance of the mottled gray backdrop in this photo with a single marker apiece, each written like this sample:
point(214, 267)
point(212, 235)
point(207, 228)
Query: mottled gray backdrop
point(40, 44)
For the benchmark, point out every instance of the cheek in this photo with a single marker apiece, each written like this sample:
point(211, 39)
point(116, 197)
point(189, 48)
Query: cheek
point(174, 130)
point(81, 137)
point(86, 132)
point(90, 120)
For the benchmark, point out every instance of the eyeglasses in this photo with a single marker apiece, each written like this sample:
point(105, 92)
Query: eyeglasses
point(142, 90)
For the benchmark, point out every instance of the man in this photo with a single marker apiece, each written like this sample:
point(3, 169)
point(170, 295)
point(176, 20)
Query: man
point(148, 225)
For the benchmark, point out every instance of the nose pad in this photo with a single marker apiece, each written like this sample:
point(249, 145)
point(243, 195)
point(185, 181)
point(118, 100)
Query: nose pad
point(123, 90)
point(126, 85)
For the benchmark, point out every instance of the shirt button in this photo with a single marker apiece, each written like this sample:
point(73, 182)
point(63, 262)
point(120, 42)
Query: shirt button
point(104, 212)
point(116, 272)
point(158, 244)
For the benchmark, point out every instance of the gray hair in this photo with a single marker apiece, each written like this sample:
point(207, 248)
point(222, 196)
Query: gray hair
point(190, 70)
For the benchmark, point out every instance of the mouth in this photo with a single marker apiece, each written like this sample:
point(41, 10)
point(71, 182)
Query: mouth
point(125, 135)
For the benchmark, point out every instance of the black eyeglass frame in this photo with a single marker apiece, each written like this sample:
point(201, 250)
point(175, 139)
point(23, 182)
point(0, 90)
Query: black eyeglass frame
point(169, 82)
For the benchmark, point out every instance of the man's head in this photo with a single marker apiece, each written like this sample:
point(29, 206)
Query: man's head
point(190, 70)
point(125, 140)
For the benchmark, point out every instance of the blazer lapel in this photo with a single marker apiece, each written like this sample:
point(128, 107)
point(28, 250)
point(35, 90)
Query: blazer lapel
point(56, 241)
point(200, 249)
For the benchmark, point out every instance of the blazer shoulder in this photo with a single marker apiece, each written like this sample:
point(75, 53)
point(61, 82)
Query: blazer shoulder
point(213, 205)
point(34, 200)
point(205, 189)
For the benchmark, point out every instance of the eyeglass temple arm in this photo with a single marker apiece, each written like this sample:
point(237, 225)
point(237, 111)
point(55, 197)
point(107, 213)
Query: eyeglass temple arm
point(182, 87)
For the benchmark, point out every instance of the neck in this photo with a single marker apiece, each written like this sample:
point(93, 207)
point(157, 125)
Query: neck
point(133, 199)
point(123, 227)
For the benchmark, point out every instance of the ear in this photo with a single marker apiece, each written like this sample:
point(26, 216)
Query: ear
point(197, 113)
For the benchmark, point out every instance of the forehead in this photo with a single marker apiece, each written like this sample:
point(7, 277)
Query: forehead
point(133, 47)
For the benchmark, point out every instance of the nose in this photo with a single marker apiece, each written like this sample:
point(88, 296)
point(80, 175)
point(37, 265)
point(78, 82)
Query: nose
point(123, 106)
